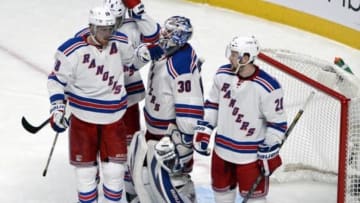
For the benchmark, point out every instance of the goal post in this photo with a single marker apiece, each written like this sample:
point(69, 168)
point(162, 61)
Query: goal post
point(325, 145)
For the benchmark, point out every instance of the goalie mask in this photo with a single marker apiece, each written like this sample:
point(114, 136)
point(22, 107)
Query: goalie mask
point(177, 30)
point(243, 45)
point(118, 9)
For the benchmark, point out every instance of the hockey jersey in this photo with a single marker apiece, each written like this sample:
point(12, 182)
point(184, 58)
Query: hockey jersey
point(144, 30)
point(92, 80)
point(174, 93)
point(246, 112)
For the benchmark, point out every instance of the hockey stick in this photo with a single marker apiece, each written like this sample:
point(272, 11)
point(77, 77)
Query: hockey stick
point(50, 155)
point(33, 129)
point(286, 135)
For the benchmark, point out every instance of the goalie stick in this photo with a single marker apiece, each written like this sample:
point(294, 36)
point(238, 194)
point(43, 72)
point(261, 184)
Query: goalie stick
point(33, 129)
point(286, 135)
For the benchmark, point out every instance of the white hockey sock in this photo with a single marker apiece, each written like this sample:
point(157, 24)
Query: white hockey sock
point(225, 197)
point(86, 184)
point(113, 181)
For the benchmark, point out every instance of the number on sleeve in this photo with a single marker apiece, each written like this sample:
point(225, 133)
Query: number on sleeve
point(279, 104)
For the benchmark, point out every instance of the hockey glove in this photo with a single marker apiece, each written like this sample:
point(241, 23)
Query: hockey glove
point(269, 158)
point(147, 52)
point(202, 135)
point(156, 52)
point(165, 153)
point(136, 8)
point(58, 121)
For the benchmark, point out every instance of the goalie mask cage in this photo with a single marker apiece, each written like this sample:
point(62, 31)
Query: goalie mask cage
point(325, 143)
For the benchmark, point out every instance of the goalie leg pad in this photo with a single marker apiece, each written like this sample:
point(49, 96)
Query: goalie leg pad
point(86, 184)
point(113, 181)
point(136, 157)
point(185, 187)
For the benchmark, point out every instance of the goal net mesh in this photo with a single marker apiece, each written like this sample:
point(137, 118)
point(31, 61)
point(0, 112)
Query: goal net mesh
point(312, 150)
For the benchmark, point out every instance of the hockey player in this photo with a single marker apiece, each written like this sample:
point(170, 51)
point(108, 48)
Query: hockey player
point(245, 104)
point(174, 97)
point(87, 74)
point(140, 29)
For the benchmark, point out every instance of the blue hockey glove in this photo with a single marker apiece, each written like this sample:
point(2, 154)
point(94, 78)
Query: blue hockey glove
point(156, 52)
point(58, 121)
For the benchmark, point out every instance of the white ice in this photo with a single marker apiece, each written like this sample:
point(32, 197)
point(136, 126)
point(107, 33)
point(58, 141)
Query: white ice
point(31, 32)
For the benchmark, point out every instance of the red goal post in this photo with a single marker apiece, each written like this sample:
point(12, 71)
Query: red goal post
point(325, 144)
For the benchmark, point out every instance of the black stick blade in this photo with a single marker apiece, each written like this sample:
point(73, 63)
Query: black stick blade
point(30, 128)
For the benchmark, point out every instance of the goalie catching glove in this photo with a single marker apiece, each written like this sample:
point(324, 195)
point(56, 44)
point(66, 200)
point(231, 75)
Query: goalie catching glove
point(57, 120)
point(269, 158)
point(202, 134)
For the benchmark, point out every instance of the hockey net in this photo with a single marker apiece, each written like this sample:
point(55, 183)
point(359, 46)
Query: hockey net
point(325, 143)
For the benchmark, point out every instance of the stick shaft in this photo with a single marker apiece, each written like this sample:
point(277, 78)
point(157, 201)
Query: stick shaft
point(50, 155)
point(286, 135)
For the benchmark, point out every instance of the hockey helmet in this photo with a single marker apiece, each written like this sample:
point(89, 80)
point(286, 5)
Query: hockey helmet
point(243, 45)
point(101, 16)
point(116, 7)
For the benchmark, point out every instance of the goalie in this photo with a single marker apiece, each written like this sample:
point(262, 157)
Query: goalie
point(174, 96)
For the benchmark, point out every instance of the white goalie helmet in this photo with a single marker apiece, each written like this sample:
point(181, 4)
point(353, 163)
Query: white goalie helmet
point(101, 16)
point(243, 45)
point(116, 7)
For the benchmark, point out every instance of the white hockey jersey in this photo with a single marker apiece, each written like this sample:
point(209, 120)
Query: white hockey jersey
point(144, 30)
point(174, 93)
point(245, 112)
point(92, 80)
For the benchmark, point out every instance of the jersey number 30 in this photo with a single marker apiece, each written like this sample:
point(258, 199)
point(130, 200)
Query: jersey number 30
point(184, 86)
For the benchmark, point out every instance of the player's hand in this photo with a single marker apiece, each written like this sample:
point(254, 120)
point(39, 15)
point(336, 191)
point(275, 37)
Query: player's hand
point(202, 136)
point(136, 8)
point(58, 121)
point(146, 52)
point(156, 52)
point(269, 158)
